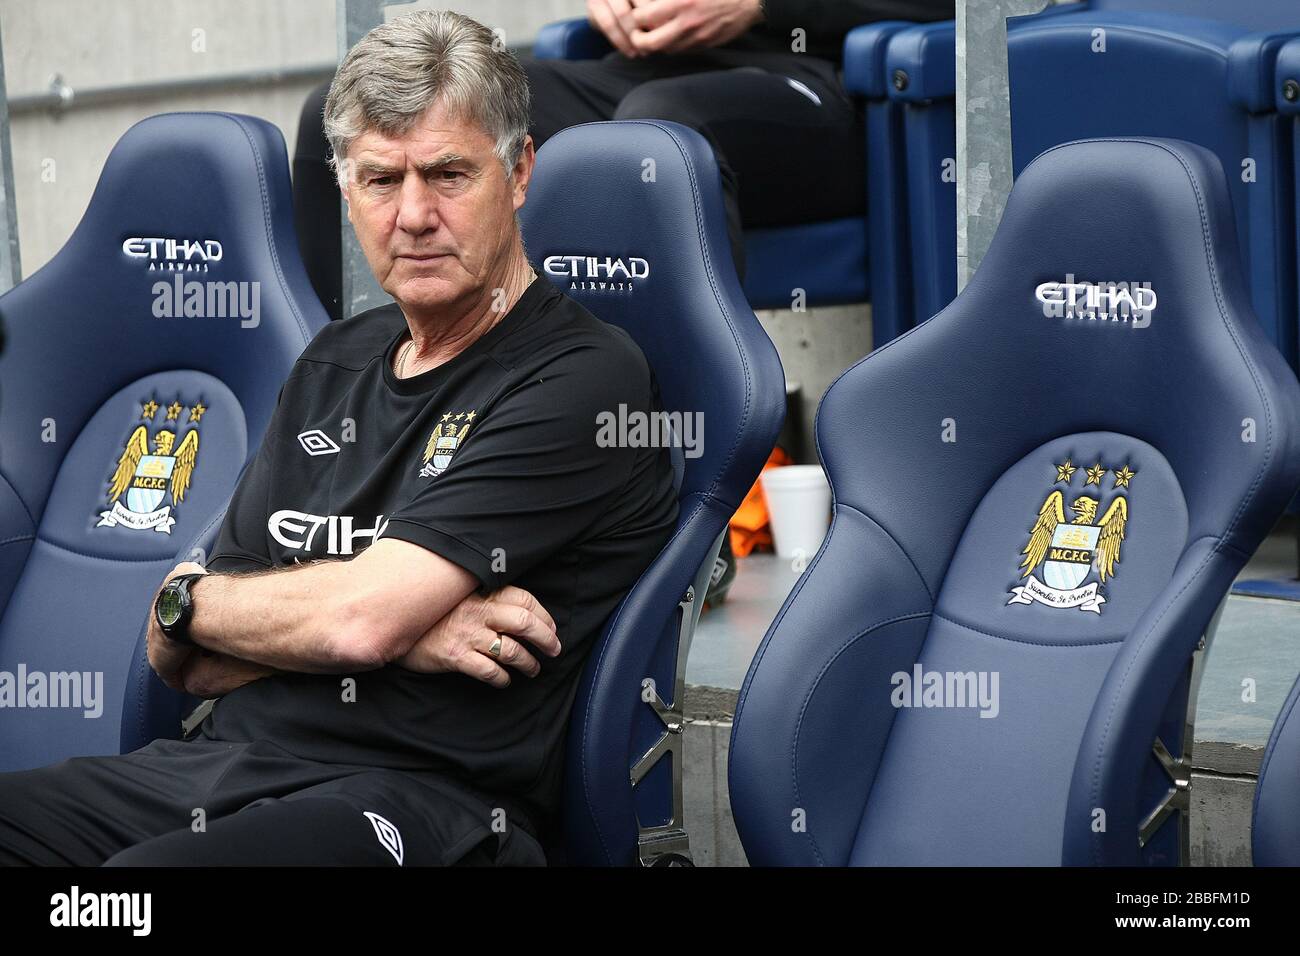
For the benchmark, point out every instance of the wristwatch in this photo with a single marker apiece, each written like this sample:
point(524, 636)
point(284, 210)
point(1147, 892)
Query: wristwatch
point(175, 608)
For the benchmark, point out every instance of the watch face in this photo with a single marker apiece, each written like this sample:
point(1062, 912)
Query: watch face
point(169, 607)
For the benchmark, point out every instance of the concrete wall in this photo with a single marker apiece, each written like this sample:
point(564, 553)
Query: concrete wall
point(96, 43)
point(815, 347)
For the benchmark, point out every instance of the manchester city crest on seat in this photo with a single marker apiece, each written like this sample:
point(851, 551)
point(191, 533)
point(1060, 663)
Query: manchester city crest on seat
point(1079, 555)
point(145, 477)
point(444, 441)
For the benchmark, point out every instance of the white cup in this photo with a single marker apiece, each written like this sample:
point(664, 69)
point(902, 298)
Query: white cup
point(799, 507)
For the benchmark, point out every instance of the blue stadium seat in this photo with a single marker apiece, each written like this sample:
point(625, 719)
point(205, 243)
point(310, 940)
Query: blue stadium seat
point(828, 260)
point(655, 260)
point(955, 454)
point(1218, 75)
point(1286, 98)
point(102, 389)
point(1252, 14)
point(574, 39)
point(889, 264)
point(1275, 829)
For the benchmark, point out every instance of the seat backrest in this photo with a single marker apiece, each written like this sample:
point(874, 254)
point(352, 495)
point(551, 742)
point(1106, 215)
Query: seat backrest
point(988, 468)
point(142, 366)
point(572, 39)
point(1253, 14)
point(1275, 827)
point(627, 218)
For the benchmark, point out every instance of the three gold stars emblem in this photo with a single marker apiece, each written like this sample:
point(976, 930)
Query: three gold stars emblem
point(1065, 472)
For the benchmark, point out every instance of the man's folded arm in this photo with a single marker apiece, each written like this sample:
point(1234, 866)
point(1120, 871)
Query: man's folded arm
point(323, 617)
point(330, 616)
point(531, 478)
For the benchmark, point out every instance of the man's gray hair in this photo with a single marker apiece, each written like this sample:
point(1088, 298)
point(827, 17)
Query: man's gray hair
point(399, 69)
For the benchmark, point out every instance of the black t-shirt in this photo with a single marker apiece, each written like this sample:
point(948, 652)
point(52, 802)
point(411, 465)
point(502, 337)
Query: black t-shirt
point(491, 460)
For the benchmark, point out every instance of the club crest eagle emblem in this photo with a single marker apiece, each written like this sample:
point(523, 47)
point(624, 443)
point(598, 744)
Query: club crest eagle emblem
point(145, 478)
point(443, 442)
point(1077, 557)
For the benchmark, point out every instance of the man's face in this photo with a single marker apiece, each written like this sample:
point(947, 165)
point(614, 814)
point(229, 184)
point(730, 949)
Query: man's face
point(434, 210)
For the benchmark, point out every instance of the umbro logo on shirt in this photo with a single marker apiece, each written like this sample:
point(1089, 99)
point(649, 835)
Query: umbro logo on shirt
point(316, 442)
point(389, 837)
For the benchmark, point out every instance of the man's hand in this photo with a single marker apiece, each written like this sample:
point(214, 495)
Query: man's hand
point(167, 657)
point(461, 640)
point(674, 26)
point(208, 674)
point(614, 19)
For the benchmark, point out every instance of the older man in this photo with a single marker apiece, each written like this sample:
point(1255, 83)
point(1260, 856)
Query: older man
point(425, 546)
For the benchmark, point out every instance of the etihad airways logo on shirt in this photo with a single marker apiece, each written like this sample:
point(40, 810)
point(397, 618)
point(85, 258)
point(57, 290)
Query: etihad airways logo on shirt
point(297, 531)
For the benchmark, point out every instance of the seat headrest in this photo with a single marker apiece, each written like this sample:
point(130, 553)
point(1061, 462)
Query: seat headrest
point(1124, 211)
point(627, 218)
point(185, 258)
point(1111, 299)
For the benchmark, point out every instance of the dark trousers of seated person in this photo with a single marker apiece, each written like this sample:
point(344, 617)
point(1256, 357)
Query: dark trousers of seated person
point(202, 802)
point(789, 142)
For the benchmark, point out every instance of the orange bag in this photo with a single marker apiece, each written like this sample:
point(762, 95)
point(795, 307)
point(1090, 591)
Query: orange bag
point(749, 525)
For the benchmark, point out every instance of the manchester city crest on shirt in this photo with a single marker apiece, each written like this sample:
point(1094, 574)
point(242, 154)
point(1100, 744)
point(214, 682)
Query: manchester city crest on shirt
point(442, 444)
point(145, 476)
point(1075, 557)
